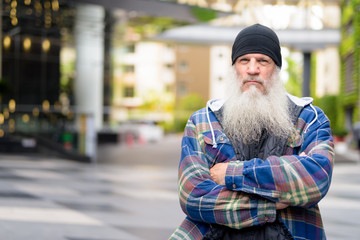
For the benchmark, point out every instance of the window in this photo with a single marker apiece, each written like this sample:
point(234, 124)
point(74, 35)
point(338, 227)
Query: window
point(129, 68)
point(183, 66)
point(129, 91)
point(182, 89)
point(130, 48)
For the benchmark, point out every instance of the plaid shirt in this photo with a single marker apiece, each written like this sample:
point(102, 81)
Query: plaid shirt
point(254, 186)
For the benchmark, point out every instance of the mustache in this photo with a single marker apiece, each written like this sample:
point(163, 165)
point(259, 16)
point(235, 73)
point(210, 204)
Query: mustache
point(257, 79)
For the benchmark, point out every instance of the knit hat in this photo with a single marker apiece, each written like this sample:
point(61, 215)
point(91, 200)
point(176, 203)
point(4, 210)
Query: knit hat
point(257, 39)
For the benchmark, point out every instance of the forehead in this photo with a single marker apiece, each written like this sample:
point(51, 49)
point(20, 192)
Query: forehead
point(255, 55)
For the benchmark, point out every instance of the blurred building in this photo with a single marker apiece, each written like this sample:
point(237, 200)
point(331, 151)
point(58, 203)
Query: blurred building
point(30, 102)
point(60, 63)
point(327, 72)
point(192, 70)
point(144, 74)
point(212, 47)
point(58, 77)
point(30, 56)
point(349, 100)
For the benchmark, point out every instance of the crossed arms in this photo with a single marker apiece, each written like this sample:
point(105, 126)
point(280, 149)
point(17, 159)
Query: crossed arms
point(250, 192)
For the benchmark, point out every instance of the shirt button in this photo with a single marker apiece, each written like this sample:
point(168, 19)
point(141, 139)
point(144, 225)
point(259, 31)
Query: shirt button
point(221, 139)
point(234, 185)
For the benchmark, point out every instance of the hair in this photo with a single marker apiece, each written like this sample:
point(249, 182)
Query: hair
point(247, 114)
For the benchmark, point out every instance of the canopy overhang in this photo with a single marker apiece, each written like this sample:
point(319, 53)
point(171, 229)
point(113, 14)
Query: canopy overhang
point(305, 40)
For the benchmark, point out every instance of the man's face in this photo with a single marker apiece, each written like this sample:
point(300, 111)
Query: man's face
point(254, 69)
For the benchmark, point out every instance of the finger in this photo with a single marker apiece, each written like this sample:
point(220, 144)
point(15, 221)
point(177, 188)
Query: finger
point(303, 154)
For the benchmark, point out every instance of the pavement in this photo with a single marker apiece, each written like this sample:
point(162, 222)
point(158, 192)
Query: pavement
point(120, 197)
point(130, 194)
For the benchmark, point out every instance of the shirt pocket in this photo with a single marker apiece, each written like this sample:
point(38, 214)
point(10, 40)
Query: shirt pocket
point(223, 151)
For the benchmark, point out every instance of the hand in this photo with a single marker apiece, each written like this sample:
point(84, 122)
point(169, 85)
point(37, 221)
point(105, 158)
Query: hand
point(218, 172)
point(280, 205)
point(303, 154)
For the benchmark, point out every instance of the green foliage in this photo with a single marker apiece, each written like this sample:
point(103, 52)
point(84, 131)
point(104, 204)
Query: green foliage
point(350, 26)
point(293, 85)
point(168, 126)
point(347, 14)
point(328, 104)
point(150, 25)
point(203, 14)
point(191, 102)
point(340, 132)
point(156, 101)
point(187, 105)
point(67, 70)
point(179, 122)
point(340, 118)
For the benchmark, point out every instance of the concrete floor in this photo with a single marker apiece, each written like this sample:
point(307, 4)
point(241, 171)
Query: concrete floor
point(129, 194)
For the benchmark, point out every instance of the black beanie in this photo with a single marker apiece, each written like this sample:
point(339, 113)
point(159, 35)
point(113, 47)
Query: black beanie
point(257, 39)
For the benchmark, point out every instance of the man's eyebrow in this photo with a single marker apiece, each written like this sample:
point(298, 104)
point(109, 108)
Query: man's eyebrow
point(263, 58)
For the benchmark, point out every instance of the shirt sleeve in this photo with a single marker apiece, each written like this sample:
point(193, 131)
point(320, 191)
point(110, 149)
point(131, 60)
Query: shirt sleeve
point(203, 200)
point(294, 180)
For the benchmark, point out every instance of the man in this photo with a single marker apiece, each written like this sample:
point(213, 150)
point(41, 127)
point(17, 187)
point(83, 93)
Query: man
point(256, 165)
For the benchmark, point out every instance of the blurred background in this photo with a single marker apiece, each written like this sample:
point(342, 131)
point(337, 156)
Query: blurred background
point(76, 74)
point(114, 81)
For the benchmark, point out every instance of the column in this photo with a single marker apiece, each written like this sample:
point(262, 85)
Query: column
point(306, 75)
point(88, 84)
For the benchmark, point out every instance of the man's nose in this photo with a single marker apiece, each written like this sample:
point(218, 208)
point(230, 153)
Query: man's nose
point(253, 67)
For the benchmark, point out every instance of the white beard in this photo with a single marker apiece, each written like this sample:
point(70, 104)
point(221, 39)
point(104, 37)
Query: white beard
point(247, 114)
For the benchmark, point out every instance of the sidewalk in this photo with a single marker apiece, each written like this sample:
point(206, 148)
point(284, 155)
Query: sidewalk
point(132, 195)
point(56, 199)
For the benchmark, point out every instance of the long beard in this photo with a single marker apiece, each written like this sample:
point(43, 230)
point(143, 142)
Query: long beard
point(247, 114)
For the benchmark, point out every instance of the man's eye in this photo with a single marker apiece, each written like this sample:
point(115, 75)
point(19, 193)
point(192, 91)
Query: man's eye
point(243, 60)
point(264, 61)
